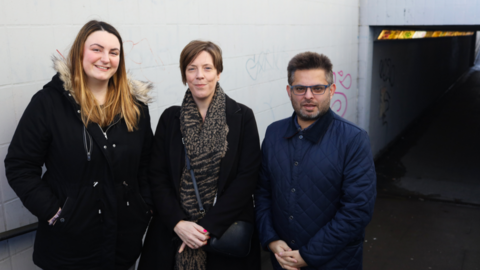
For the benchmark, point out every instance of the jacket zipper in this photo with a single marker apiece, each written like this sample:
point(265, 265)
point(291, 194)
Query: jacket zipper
point(105, 133)
point(125, 192)
point(87, 149)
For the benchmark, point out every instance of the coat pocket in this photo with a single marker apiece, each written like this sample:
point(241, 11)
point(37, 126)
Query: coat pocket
point(61, 220)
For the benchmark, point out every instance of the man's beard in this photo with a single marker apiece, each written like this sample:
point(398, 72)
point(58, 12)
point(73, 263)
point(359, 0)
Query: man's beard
point(322, 110)
point(320, 113)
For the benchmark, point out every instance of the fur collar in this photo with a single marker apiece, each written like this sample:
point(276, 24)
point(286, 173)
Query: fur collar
point(138, 89)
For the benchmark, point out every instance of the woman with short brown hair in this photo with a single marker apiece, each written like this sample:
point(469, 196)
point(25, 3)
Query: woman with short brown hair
point(209, 144)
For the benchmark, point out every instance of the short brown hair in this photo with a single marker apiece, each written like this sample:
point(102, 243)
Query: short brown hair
point(193, 49)
point(310, 60)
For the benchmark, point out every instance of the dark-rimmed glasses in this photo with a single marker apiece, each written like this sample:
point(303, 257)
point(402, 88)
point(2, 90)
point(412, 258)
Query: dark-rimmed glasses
point(300, 90)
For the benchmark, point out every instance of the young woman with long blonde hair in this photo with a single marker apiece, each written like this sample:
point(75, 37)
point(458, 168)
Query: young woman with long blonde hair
point(90, 127)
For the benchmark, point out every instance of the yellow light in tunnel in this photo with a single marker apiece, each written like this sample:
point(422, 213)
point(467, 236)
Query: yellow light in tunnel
point(409, 34)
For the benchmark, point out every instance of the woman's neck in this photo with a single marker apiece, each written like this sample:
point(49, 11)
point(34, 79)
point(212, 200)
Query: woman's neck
point(99, 90)
point(202, 105)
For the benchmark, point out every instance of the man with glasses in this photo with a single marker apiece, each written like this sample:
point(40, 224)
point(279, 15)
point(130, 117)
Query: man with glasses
point(317, 184)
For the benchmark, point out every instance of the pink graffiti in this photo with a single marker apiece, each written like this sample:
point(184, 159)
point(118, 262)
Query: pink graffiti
point(133, 54)
point(338, 101)
point(346, 82)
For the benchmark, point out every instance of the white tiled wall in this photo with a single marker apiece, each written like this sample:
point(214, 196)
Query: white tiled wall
point(258, 38)
point(16, 253)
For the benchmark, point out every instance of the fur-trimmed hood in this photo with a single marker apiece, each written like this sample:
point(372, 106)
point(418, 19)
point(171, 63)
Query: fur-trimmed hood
point(140, 90)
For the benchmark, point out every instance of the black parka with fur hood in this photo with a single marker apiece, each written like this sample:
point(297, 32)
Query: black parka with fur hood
point(98, 177)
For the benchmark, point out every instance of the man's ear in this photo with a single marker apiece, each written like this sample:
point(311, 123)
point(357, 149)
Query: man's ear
point(333, 88)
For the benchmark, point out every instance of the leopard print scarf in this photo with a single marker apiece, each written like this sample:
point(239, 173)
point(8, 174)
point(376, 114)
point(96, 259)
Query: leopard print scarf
point(206, 144)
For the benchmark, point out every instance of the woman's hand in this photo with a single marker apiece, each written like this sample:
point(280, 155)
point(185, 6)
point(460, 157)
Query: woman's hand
point(193, 235)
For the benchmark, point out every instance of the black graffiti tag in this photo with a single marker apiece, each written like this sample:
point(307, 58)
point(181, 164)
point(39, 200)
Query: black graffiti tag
point(387, 71)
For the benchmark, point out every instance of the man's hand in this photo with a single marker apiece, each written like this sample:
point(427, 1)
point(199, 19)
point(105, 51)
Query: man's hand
point(279, 247)
point(291, 259)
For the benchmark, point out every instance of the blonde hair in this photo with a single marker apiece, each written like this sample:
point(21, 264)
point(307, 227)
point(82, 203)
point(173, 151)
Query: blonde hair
point(119, 99)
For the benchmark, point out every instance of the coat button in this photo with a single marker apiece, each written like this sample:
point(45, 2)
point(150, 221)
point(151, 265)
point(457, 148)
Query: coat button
point(296, 163)
point(105, 146)
point(291, 217)
point(69, 95)
point(293, 241)
point(78, 111)
point(114, 146)
point(300, 137)
point(62, 220)
point(293, 190)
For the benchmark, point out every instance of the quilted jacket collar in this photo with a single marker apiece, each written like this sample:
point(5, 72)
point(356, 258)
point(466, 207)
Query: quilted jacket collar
point(315, 132)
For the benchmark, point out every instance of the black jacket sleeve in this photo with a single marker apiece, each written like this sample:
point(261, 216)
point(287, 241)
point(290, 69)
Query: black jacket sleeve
point(236, 197)
point(163, 190)
point(145, 158)
point(26, 155)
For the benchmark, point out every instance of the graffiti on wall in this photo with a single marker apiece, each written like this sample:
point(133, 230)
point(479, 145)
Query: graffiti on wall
point(339, 103)
point(387, 75)
point(387, 71)
point(261, 63)
point(139, 53)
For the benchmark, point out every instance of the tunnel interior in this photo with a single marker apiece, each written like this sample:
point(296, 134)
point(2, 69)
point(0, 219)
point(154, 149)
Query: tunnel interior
point(425, 115)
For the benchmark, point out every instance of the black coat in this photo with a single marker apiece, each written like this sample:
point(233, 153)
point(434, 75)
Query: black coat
point(104, 214)
point(236, 184)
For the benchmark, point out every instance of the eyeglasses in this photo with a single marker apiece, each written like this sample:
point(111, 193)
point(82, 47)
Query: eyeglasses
point(301, 90)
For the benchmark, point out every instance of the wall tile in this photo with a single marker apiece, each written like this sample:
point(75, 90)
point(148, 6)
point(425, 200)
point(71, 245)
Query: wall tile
point(65, 16)
point(116, 12)
point(16, 13)
point(81, 12)
point(3, 226)
point(5, 68)
point(7, 115)
point(131, 12)
point(145, 11)
point(40, 12)
point(43, 51)
point(172, 12)
point(99, 10)
point(23, 260)
point(3, 7)
point(6, 194)
point(19, 41)
point(4, 252)
point(21, 243)
point(17, 215)
point(6, 264)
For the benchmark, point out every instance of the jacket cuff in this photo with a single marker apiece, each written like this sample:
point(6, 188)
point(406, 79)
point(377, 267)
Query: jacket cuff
point(267, 243)
point(211, 228)
point(173, 220)
point(306, 258)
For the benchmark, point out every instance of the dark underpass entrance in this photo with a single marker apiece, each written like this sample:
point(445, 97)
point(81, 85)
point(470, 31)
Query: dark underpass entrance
point(438, 158)
point(427, 214)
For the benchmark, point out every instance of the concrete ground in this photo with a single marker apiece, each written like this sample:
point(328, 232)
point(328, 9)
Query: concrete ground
point(427, 214)
point(414, 234)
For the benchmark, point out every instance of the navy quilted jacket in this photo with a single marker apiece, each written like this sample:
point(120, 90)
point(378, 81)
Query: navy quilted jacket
point(317, 195)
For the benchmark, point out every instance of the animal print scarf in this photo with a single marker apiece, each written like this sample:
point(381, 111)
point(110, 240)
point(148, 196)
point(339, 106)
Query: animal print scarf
point(206, 144)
